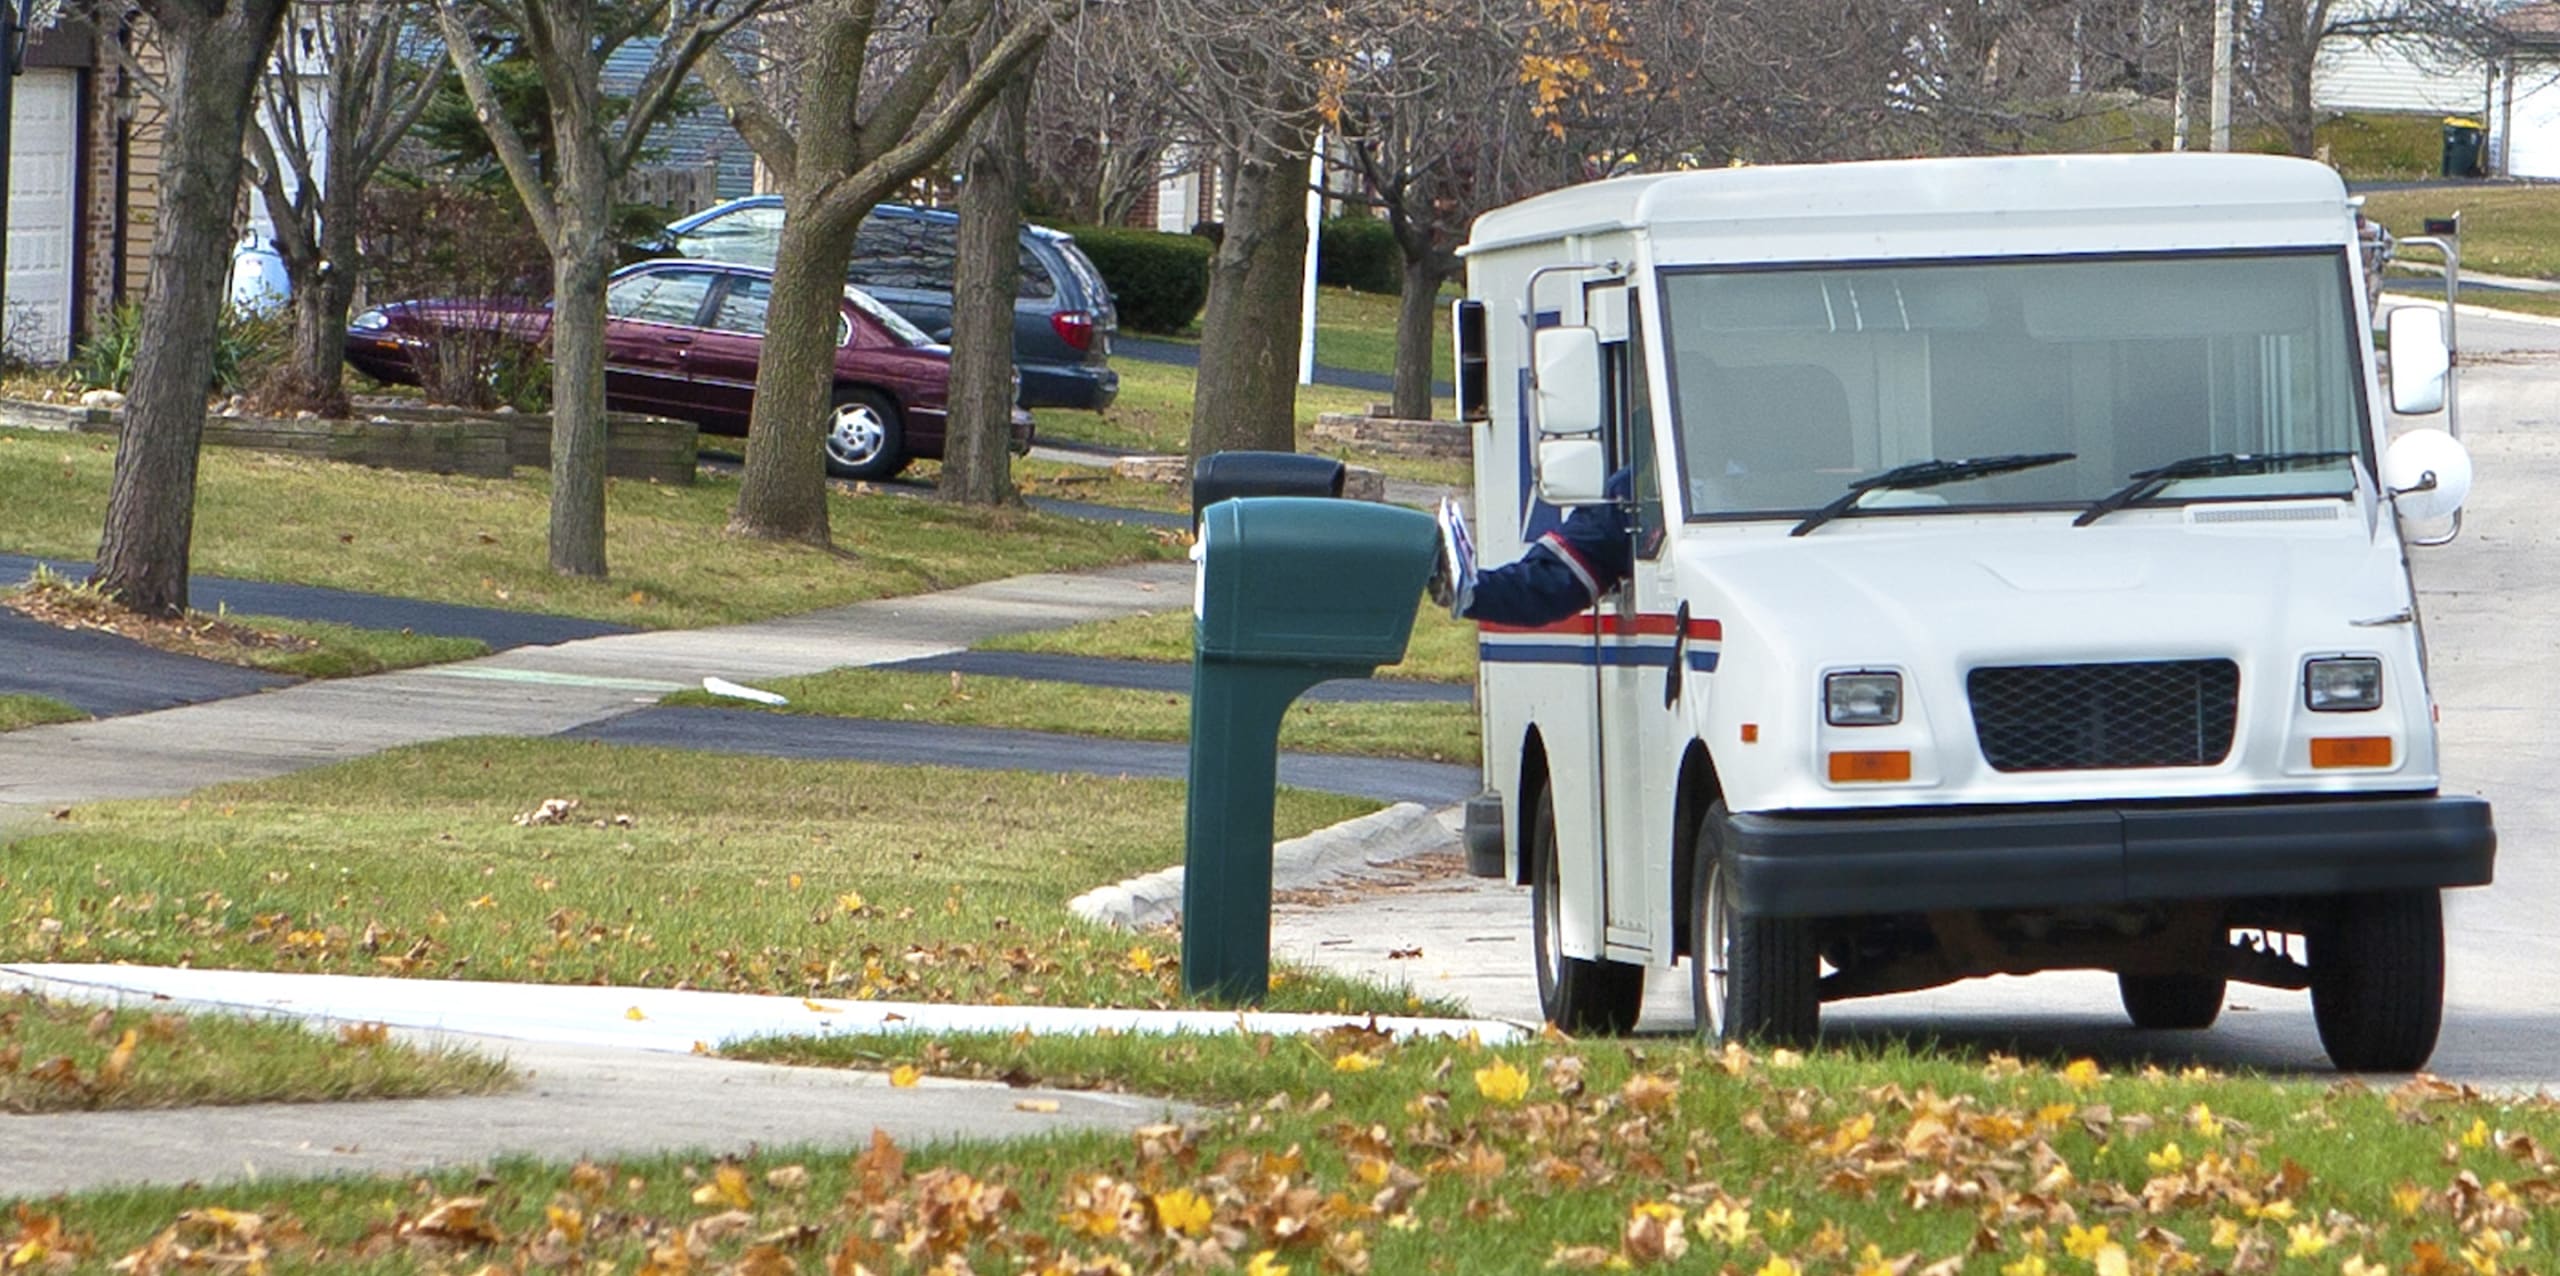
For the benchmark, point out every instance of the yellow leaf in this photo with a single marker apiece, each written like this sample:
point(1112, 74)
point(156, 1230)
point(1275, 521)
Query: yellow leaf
point(2205, 1122)
point(2083, 1243)
point(1266, 1263)
point(118, 1067)
point(2408, 1197)
point(2082, 1073)
point(1353, 1061)
point(1501, 1082)
point(2305, 1240)
point(1777, 1266)
point(2357, 1266)
point(2478, 1135)
point(728, 1186)
point(2113, 1262)
point(904, 1075)
point(2167, 1159)
point(1140, 961)
point(849, 902)
point(634, 1014)
point(1183, 1210)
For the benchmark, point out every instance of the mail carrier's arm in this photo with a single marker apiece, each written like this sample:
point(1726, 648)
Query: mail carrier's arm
point(1566, 571)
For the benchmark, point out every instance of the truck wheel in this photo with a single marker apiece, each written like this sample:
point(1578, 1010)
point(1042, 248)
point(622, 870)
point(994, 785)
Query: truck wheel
point(2377, 980)
point(1751, 978)
point(2172, 1001)
point(1579, 995)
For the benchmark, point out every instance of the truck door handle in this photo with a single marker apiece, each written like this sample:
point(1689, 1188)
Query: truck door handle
point(1671, 682)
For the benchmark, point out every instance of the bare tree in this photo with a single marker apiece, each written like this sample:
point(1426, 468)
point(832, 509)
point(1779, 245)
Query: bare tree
point(216, 51)
point(845, 152)
point(2281, 42)
point(371, 73)
point(572, 211)
point(1102, 124)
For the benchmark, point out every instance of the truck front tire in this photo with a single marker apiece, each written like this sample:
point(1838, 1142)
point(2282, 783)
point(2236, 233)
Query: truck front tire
point(1750, 978)
point(2182, 1002)
point(1583, 996)
point(2377, 980)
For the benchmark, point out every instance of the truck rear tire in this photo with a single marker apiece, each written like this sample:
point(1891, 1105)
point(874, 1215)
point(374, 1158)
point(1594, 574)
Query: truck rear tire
point(2377, 980)
point(1583, 996)
point(1750, 978)
point(2172, 1001)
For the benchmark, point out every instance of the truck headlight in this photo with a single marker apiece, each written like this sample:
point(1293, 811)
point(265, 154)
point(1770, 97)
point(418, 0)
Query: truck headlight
point(372, 320)
point(1862, 699)
point(2342, 685)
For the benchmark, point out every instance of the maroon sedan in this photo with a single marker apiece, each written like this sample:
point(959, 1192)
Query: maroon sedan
point(682, 339)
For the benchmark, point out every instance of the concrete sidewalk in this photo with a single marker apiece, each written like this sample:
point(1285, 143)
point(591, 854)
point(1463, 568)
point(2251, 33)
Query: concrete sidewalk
point(537, 691)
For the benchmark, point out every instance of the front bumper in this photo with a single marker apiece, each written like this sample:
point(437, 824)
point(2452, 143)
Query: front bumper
point(1909, 861)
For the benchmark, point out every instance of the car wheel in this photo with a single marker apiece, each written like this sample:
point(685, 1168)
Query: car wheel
point(864, 437)
point(2377, 980)
point(2172, 1001)
point(1750, 978)
point(1579, 995)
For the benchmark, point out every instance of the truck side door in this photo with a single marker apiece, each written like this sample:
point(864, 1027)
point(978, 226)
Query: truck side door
point(1640, 632)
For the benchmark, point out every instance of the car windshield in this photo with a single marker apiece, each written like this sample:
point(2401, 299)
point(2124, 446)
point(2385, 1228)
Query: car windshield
point(1792, 384)
point(907, 333)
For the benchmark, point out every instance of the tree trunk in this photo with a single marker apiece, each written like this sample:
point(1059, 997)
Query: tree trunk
point(782, 494)
point(1247, 392)
point(977, 447)
point(1418, 305)
point(580, 263)
point(213, 67)
point(314, 378)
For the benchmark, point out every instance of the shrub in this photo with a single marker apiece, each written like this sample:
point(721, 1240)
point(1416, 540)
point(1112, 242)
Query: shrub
point(1359, 253)
point(461, 244)
point(245, 345)
point(1157, 280)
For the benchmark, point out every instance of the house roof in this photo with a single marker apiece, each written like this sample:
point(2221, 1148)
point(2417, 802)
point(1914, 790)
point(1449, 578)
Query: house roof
point(2535, 25)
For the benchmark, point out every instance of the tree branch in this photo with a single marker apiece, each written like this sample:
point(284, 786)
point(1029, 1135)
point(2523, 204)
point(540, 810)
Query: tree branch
point(503, 137)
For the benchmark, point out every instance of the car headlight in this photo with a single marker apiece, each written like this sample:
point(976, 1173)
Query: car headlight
point(1862, 699)
point(2342, 685)
point(372, 320)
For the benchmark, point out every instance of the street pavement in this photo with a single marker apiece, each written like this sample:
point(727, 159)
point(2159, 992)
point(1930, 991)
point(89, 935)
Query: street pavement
point(2491, 602)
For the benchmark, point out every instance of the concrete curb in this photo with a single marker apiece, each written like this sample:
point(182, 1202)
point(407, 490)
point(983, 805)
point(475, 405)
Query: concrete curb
point(1342, 852)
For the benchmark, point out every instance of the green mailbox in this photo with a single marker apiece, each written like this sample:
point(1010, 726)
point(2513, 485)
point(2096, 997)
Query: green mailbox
point(1293, 591)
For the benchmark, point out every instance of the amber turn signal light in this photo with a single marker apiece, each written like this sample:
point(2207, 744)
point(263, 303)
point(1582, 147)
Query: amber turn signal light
point(1871, 767)
point(2350, 751)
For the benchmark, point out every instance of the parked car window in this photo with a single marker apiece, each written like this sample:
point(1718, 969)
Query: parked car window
point(903, 252)
point(907, 333)
point(743, 305)
point(660, 296)
point(1034, 283)
point(748, 236)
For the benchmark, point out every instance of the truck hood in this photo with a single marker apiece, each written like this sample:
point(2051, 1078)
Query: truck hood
point(1987, 591)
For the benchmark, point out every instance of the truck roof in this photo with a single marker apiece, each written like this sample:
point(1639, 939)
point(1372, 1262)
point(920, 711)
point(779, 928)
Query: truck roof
point(2196, 188)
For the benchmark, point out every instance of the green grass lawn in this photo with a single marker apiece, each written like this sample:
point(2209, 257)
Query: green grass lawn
point(483, 541)
point(34, 711)
point(1432, 732)
point(2506, 230)
point(1354, 1153)
point(1442, 649)
point(66, 1057)
point(739, 874)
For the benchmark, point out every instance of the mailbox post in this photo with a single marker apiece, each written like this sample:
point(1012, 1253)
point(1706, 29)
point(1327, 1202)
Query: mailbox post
point(1293, 591)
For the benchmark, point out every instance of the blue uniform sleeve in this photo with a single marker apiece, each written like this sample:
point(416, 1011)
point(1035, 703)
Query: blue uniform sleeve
point(1568, 570)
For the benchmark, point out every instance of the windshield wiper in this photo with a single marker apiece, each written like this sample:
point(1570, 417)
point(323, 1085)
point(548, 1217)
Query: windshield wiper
point(2142, 484)
point(1927, 474)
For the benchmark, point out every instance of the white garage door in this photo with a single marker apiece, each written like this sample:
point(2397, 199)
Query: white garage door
point(43, 166)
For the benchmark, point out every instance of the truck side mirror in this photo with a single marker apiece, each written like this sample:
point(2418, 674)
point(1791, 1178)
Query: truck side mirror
point(2421, 363)
point(2428, 473)
point(1572, 465)
point(1572, 472)
point(1567, 385)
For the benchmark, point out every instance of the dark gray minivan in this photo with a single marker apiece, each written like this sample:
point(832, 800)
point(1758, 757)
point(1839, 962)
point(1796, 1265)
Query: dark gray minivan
point(1062, 312)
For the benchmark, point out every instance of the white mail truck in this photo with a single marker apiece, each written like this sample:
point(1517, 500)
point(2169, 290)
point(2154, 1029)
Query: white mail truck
point(2020, 582)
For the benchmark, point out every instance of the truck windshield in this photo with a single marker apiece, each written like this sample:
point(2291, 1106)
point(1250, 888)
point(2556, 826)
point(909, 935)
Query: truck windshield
point(1791, 384)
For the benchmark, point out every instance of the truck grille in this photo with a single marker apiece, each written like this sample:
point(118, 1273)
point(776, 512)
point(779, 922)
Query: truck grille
point(2105, 717)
